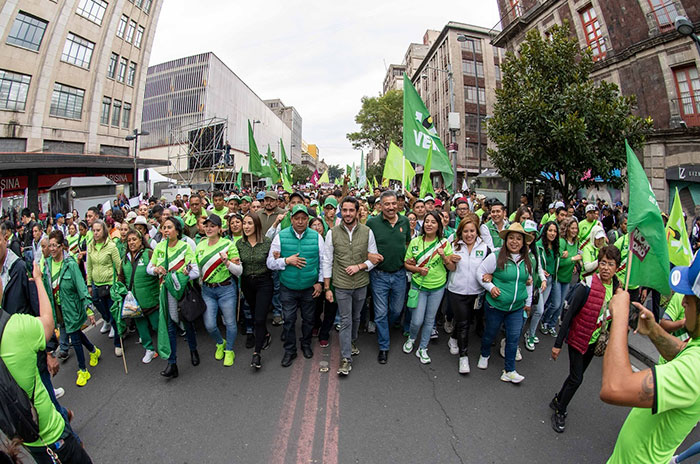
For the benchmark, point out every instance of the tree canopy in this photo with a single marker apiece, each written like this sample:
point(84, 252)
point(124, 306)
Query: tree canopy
point(550, 118)
point(380, 120)
point(300, 174)
point(376, 170)
point(335, 172)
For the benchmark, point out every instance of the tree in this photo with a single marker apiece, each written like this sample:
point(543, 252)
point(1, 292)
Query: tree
point(335, 172)
point(375, 171)
point(300, 174)
point(380, 120)
point(550, 117)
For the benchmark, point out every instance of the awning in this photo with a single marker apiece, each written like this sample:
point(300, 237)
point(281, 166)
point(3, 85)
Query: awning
point(24, 160)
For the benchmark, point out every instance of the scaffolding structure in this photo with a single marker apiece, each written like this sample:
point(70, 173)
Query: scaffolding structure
point(198, 154)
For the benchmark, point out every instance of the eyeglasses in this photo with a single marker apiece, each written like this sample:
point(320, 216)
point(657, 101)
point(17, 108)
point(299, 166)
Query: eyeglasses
point(607, 264)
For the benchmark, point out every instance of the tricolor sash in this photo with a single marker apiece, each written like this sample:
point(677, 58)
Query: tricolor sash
point(210, 262)
point(424, 257)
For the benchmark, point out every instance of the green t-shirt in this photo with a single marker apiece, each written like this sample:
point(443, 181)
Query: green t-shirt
point(584, 229)
point(566, 266)
point(211, 266)
point(55, 273)
point(222, 213)
point(437, 274)
point(179, 256)
point(604, 316)
point(22, 339)
point(675, 312)
point(651, 436)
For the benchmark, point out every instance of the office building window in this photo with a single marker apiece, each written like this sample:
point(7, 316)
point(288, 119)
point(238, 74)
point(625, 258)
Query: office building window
point(665, 13)
point(27, 31)
point(137, 3)
point(516, 7)
point(131, 74)
point(66, 101)
point(594, 35)
point(112, 69)
point(92, 10)
point(688, 88)
point(468, 68)
point(470, 94)
point(467, 45)
point(139, 37)
point(122, 69)
point(130, 31)
point(116, 112)
point(147, 6)
point(104, 115)
point(497, 71)
point(13, 90)
point(122, 25)
point(126, 116)
point(77, 51)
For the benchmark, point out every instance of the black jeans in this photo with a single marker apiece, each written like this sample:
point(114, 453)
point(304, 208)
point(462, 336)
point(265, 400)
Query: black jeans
point(70, 451)
point(578, 363)
point(258, 293)
point(463, 309)
point(328, 310)
point(294, 301)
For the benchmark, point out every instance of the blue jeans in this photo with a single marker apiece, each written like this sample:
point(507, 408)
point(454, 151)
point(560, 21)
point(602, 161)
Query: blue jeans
point(538, 311)
point(424, 314)
point(388, 293)
point(102, 305)
point(77, 341)
point(172, 336)
point(556, 301)
point(63, 343)
point(276, 303)
point(224, 299)
point(513, 321)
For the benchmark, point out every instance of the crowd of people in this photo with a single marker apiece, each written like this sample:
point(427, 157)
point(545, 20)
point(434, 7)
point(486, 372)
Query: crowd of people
point(347, 259)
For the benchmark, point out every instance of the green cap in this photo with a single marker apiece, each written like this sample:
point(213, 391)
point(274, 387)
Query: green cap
point(330, 201)
point(247, 198)
point(299, 208)
point(530, 226)
point(234, 197)
point(313, 203)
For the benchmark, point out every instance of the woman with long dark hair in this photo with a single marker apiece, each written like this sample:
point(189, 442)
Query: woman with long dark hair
point(547, 249)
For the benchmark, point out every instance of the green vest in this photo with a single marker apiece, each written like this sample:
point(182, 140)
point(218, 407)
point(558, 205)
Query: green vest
point(512, 281)
point(121, 246)
point(493, 230)
point(347, 253)
point(146, 287)
point(292, 277)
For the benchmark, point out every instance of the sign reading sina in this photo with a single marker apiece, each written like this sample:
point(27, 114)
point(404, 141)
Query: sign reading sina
point(14, 183)
point(684, 172)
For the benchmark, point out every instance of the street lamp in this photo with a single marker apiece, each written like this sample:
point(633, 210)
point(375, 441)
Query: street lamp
point(464, 38)
point(685, 27)
point(135, 137)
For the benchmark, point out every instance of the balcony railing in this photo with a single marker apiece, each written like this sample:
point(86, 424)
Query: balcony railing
point(661, 18)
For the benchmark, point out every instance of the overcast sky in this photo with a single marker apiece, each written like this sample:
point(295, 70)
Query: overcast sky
point(318, 56)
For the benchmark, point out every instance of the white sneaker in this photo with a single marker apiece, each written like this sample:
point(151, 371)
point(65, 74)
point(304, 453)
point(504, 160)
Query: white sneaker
point(512, 377)
point(449, 327)
point(483, 362)
point(518, 355)
point(408, 346)
point(111, 332)
point(105, 327)
point(148, 357)
point(118, 352)
point(464, 365)
point(58, 392)
point(434, 334)
point(371, 327)
point(422, 354)
point(454, 346)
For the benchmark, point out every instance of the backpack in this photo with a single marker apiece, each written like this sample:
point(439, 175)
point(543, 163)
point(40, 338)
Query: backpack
point(18, 417)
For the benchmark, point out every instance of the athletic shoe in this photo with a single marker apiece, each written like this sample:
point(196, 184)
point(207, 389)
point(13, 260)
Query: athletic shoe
point(408, 346)
point(406, 333)
point(268, 341)
point(371, 327)
point(354, 350)
point(337, 327)
point(434, 334)
point(58, 392)
point(323, 343)
point(148, 357)
point(83, 377)
point(105, 327)
point(229, 356)
point(512, 377)
point(530, 343)
point(422, 354)
point(95, 357)
point(277, 320)
point(449, 326)
point(111, 332)
point(256, 362)
point(553, 332)
point(219, 354)
point(483, 362)
point(118, 352)
point(249, 340)
point(464, 365)
point(62, 356)
point(345, 367)
point(558, 421)
point(453, 345)
point(536, 339)
point(544, 329)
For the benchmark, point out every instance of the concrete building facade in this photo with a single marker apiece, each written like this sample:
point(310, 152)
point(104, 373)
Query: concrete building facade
point(635, 45)
point(291, 117)
point(393, 80)
point(72, 77)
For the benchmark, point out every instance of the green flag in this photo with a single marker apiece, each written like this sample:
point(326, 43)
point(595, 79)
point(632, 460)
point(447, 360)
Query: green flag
point(287, 184)
point(426, 185)
point(679, 251)
point(239, 179)
point(362, 181)
point(272, 171)
point(353, 174)
point(420, 135)
point(324, 178)
point(255, 165)
point(285, 165)
point(648, 262)
point(396, 166)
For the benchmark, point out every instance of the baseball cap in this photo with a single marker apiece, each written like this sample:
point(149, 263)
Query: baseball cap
point(270, 194)
point(330, 201)
point(591, 207)
point(214, 219)
point(597, 232)
point(130, 216)
point(69, 216)
point(313, 203)
point(686, 279)
point(59, 215)
point(234, 197)
point(299, 209)
point(296, 194)
point(438, 202)
point(530, 226)
point(246, 198)
point(260, 196)
point(428, 198)
point(559, 204)
point(140, 220)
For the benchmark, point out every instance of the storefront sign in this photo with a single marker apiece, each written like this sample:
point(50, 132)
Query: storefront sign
point(8, 184)
point(684, 172)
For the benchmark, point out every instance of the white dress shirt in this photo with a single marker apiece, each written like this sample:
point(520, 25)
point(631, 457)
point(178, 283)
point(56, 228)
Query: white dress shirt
point(278, 264)
point(328, 254)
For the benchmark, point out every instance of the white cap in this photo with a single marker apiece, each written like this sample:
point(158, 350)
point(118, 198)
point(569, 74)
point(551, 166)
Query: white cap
point(130, 216)
point(591, 207)
point(559, 204)
point(141, 220)
point(69, 216)
point(597, 232)
point(551, 205)
point(428, 198)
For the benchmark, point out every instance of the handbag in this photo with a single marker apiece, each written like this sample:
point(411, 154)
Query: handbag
point(602, 343)
point(130, 305)
point(192, 305)
point(412, 300)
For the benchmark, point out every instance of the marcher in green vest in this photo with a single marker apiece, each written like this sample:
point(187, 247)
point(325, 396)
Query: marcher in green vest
point(490, 232)
point(70, 302)
point(295, 198)
point(219, 267)
point(144, 287)
point(351, 252)
point(297, 252)
point(585, 226)
point(120, 242)
point(73, 237)
point(589, 253)
point(506, 275)
point(195, 212)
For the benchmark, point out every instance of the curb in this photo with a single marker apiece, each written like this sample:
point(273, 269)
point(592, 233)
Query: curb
point(643, 357)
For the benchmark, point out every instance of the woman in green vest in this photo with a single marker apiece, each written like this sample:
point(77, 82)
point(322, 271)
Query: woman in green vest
point(219, 265)
point(506, 274)
point(144, 287)
point(569, 255)
point(73, 238)
point(70, 301)
point(81, 256)
point(548, 254)
point(428, 258)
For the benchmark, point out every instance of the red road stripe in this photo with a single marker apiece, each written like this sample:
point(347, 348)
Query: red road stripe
point(305, 445)
point(330, 442)
point(289, 406)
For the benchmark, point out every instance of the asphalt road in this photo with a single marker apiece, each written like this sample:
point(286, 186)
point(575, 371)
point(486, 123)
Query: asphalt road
point(399, 412)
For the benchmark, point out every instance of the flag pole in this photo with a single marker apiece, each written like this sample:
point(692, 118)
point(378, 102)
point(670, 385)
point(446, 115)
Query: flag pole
point(629, 260)
point(403, 172)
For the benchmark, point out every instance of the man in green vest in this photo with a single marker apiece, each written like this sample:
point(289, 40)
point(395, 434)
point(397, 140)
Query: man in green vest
point(297, 252)
point(346, 263)
point(196, 211)
point(490, 231)
point(585, 226)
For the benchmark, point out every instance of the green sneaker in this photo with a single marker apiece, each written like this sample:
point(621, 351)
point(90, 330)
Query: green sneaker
point(530, 343)
point(229, 356)
point(95, 357)
point(219, 355)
